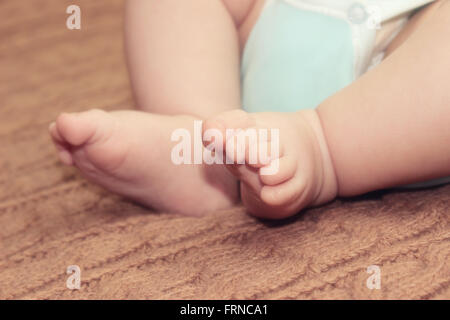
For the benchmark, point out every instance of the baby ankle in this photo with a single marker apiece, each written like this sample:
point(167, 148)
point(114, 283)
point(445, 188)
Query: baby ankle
point(328, 186)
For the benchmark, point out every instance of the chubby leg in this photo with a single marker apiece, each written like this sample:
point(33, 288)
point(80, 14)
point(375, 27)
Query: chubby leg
point(390, 127)
point(183, 58)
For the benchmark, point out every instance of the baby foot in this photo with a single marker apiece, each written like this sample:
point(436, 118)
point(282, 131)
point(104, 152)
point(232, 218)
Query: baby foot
point(128, 152)
point(299, 174)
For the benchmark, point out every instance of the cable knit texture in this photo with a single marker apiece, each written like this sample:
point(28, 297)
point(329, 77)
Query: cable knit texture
point(51, 218)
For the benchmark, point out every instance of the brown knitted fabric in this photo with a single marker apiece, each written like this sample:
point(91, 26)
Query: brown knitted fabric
point(51, 218)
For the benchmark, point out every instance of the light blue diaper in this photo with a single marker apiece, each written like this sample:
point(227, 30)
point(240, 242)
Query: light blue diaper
point(297, 56)
point(300, 52)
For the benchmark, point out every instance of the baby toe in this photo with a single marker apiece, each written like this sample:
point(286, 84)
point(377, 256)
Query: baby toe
point(226, 121)
point(278, 171)
point(71, 129)
point(285, 193)
point(61, 146)
point(80, 128)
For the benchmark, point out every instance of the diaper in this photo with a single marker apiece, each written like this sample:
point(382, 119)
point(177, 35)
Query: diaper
point(300, 52)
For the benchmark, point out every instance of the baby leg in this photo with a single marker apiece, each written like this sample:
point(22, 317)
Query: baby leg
point(390, 127)
point(183, 58)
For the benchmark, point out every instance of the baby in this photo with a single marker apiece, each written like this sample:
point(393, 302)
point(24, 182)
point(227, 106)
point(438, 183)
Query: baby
point(299, 66)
